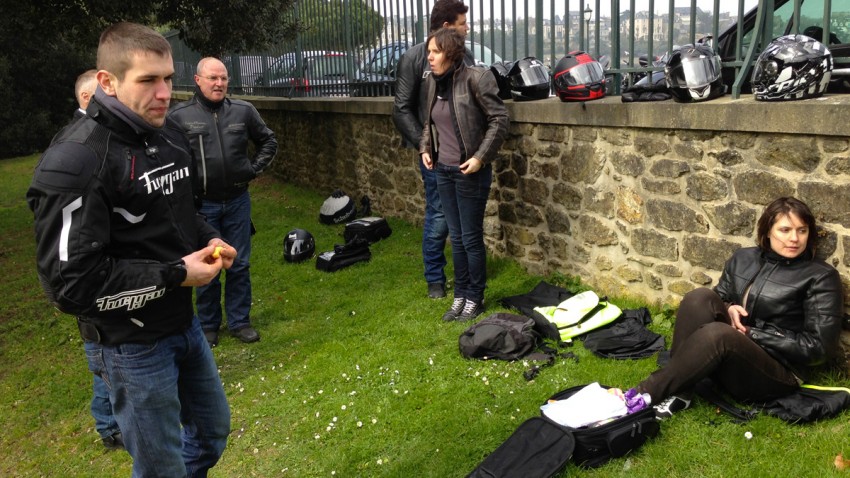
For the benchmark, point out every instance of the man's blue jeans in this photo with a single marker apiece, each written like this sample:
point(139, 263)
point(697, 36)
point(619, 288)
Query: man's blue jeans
point(101, 408)
point(232, 218)
point(464, 198)
point(435, 230)
point(157, 387)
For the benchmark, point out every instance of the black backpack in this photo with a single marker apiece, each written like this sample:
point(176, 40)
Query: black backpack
point(501, 335)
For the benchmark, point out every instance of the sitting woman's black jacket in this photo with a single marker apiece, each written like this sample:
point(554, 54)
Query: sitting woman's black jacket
point(795, 306)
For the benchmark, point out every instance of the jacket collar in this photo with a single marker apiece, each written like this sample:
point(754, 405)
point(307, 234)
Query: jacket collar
point(117, 124)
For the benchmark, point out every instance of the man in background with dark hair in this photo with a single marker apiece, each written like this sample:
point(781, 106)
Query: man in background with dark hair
point(120, 245)
point(409, 116)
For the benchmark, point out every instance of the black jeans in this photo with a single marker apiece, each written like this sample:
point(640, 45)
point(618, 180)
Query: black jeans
point(706, 345)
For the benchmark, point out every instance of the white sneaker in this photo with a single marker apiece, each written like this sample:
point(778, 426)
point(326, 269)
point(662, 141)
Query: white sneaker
point(671, 405)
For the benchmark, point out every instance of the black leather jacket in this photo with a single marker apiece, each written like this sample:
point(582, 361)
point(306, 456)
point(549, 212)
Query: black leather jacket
point(114, 215)
point(219, 135)
point(795, 306)
point(412, 71)
point(479, 114)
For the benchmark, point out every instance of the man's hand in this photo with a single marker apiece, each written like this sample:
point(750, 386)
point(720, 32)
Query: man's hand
point(201, 268)
point(226, 253)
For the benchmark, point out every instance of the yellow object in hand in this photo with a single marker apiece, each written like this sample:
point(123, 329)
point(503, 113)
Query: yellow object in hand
point(217, 252)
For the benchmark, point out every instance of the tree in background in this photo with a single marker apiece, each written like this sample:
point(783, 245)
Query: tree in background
point(339, 25)
point(47, 43)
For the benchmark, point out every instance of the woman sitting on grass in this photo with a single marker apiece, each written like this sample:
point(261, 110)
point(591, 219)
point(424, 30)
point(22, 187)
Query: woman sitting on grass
point(774, 317)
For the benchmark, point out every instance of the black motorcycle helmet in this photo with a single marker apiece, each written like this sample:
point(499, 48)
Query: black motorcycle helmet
point(529, 80)
point(501, 70)
point(792, 67)
point(578, 77)
point(298, 245)
point(693, 74)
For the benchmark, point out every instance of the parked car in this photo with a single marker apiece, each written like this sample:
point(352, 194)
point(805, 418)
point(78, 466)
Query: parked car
point(323, 73)
point(811, 23)
point(377, 74)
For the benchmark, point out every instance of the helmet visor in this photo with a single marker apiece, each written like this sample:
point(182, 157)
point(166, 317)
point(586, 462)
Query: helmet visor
point(582, 74)
point(534, 75)
point(695, 72)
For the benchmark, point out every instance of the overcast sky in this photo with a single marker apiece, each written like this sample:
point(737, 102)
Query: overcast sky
point(481, 8)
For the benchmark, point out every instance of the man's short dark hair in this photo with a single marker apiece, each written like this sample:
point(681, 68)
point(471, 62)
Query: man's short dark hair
point(446, 11)
point(119, 42)
point(450, 42)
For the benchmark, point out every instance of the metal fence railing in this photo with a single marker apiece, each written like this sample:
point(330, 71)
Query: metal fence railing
point(350, 47)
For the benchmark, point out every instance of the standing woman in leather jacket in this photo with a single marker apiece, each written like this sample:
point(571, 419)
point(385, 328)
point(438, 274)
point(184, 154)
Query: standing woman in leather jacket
point(774, 316)
point(465, 126)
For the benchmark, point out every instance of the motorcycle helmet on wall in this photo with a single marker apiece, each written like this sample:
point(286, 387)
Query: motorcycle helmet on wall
point(298, 245)
point(578, 77)
point(693, 74)
point(501, 70)
point(792, 67)
point(529, 80)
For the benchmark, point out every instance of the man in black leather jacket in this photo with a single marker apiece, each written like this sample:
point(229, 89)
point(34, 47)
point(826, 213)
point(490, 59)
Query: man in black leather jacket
point(120, 245)
point(220, 129)
point(409, 118)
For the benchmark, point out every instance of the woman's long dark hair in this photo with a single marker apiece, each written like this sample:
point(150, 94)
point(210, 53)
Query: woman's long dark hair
point(782, 207)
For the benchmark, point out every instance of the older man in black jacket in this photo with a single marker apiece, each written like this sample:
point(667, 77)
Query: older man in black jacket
point(219, 129)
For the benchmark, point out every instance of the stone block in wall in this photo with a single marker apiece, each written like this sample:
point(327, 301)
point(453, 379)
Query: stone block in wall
point(581, 164)
point(669, 270)
point(567, 195)
point(729, 157)
point(651, 243)
point(675, 216)
point(557, 219)
point(556, 133)
point(707, 252)
point(835, 145)
point(507, 179)
point(628, 164)
point(519, 163)
point(701, 278)
point(694, 135)
point(739, 140)
point(838, 165)
point(654, 281)
point(732, 218)
point(680, 287)
point(604, 263)
point(761, 187)
point(670, 168)
point(688, 150)
point(629, 274)
point(629, 205)
point(827, 243)
point(706, 187)
point(616, 136)
point(594, 231)
point(534, 191)
point(651, 145)
point(661, 186)
point(792, 153)
point(527, 215)
point(603, 203)
point(828, 201)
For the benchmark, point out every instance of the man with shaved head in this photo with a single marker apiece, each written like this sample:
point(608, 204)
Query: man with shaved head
point(219, 129)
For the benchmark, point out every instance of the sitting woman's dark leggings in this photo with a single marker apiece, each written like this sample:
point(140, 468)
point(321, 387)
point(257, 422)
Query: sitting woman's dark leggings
point(706, 345)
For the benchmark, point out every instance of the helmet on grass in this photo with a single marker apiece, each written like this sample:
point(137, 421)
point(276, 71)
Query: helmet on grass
point(298, 245)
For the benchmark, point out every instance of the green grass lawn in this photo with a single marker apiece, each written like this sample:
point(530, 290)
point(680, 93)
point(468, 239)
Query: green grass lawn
point(355, 375)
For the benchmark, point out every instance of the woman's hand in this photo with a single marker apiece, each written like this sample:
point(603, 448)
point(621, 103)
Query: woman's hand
point(471, 165)
point(426, 160)
point(735, 313)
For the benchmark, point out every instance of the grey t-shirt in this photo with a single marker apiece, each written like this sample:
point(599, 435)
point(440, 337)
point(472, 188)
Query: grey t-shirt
point(448, 149)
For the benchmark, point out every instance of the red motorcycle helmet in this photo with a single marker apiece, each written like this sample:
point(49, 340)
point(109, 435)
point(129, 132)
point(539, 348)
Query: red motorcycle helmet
point(578, 77)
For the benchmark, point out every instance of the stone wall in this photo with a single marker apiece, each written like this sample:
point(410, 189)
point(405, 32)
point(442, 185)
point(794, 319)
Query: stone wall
point(646, 200)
